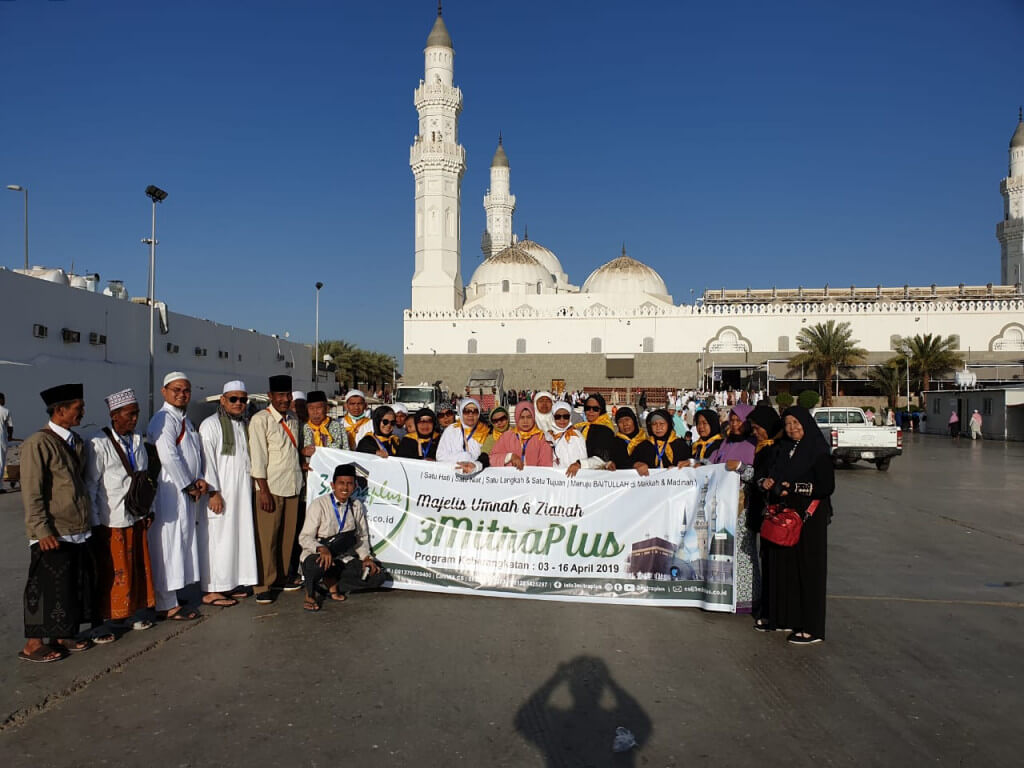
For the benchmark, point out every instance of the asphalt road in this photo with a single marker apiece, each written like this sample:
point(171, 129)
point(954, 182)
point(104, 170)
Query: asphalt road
point(922, 666)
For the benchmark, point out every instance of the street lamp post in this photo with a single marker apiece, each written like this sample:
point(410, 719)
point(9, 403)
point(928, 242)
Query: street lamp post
point(20, 188)
point(910, 354)
point(316, 340)
point(157, 195)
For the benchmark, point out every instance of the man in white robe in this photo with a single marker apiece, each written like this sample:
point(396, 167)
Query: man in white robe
point(227, 542)
point(172, 536)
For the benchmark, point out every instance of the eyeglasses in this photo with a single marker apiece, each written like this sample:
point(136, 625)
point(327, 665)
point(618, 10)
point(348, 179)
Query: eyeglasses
point(561, 417)
point(594, 408)
point(235, 399)
point(500, 419)
point(470, 412)
point(385, 422)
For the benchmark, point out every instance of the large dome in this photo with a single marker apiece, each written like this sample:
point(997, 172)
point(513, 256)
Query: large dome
point(547, 259)
point(625, 275)
point(512, 270)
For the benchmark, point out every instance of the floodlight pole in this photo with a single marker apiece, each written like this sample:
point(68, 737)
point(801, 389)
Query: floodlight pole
point(24, 189)
point(157, 195)
point(316, 340)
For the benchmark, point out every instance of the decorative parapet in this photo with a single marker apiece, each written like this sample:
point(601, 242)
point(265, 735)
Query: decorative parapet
point(437, 94)
point(731, 310)
point(436, 154)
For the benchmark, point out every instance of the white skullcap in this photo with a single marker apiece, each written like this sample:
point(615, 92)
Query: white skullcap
point(354, 393)
point(399, 408)
point(297, 395)
point(120, 399)
point(234, 386)
point(174, 376)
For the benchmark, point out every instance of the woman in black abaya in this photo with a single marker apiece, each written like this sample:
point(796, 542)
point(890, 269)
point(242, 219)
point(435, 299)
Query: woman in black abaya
point(793, 578)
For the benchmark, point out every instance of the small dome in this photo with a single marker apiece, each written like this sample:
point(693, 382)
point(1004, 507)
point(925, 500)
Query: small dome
point(625, 275)
point(439, 33)
point(1018, 135)
point(515, 265)
point(500, 159)
point(547, 259)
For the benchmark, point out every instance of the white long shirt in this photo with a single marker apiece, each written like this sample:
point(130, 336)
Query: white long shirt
point(107, 480)
point(456, 446)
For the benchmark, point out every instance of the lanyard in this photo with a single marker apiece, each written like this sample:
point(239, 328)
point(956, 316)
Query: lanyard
point(130, 453)
point(425, 451)
point(523, 444)
point(341, 520)
point(464, 436)
point(662, 451)
point(381, 445)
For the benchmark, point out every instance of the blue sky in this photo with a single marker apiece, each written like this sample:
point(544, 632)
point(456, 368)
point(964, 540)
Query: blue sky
point(728, 144)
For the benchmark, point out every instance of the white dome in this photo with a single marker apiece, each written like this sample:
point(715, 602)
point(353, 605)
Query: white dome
point(512, 270)
point(625, 275)
point(547, 259)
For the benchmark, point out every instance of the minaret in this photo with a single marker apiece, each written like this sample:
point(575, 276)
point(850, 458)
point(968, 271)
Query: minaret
point(1010, 230)
point(438, 162)
point(499, 204)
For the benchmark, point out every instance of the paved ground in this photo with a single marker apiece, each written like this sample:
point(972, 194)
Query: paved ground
point(923, 663)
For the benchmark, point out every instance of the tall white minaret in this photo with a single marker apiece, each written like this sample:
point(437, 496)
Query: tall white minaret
point(1010, 230)
point(499, 204)
point(438, 162)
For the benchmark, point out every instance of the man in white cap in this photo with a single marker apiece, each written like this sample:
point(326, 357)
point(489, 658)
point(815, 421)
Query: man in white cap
point(227, 541)
point(401, 416)
point(356, 421)
point(124, 578)
point(172, 536)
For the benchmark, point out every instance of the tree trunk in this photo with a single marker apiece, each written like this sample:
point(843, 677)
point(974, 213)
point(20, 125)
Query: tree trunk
point(925, 381)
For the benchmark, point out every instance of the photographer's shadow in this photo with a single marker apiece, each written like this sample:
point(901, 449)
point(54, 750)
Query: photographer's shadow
point(572, 717)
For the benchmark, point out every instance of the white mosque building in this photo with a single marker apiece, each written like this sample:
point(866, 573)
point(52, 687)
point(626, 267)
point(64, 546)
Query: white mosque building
point(521, 312)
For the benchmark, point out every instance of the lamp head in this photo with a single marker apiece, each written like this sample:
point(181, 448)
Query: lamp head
point(156, 194)
point(319, 286)
point(15, 187)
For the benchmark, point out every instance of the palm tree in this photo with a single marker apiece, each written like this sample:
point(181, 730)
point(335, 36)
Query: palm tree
point(930, 355)
point(887, 378)
point(826, 348)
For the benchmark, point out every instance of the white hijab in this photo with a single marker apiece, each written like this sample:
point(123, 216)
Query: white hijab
point(545, 421)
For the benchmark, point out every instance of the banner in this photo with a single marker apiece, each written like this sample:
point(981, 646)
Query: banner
point(607, 537)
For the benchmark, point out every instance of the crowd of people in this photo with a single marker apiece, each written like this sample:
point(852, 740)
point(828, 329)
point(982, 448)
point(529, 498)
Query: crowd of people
point(120, 523)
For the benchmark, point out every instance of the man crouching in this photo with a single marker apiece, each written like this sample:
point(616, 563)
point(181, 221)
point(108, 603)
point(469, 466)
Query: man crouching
point(336, 543)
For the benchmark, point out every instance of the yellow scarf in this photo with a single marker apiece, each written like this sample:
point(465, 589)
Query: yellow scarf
point(321, 436)
point(352, 426)
point(387, 444)
point(604, 420)
point(480, 432)
point(765, 443)
point(668, 446)
point(703, 448)
point(632, 442)
point(566, 434)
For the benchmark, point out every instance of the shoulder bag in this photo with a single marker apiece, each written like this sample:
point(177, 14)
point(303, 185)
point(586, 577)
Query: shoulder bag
point(142, 491)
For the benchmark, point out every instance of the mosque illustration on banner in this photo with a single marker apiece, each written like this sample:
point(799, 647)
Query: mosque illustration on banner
point(704, 552)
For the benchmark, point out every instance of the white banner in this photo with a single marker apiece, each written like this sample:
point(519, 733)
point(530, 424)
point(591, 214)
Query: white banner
point(609, 537)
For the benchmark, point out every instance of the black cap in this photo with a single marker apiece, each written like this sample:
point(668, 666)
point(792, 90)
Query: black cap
point(281, 383)
point(62, 394)
point(316, 396)
point(344, 470)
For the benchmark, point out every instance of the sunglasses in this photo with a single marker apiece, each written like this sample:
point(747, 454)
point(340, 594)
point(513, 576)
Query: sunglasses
point(561, 417)
point(446, 413)
point(594, 408)
point(385, 422)
point(499, 419)
point(242, 399)
point(470, 412)
point(425, 420)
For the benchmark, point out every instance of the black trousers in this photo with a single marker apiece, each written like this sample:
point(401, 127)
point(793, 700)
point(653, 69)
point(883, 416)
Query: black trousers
point(348, 574)
point(59, 591)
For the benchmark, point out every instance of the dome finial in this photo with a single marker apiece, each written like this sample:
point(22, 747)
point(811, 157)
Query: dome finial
point(526, 231)
point(1020, 114)
point(623, 247)
point(438, 7)
point(499, 137)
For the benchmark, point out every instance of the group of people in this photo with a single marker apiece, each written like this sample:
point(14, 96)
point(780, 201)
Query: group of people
point(119, 523)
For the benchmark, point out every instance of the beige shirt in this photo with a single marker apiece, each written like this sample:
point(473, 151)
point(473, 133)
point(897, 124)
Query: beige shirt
point(322, 524)
point(275, 458)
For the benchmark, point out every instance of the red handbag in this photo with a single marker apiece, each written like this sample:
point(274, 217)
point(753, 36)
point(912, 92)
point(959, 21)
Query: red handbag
point(781, 525)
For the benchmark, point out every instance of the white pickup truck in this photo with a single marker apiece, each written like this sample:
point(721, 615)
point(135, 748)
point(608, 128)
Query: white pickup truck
point(854, 438)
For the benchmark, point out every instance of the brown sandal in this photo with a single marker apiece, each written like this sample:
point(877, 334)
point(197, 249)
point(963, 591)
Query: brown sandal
point(311, 604)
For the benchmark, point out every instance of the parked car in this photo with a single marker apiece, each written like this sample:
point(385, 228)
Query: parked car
point(854, 438)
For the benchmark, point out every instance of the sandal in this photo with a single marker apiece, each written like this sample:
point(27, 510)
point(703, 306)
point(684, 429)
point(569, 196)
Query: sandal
point(311, 604)
point(181, 614)
point(44, 654)
point(336, 595)
point(103, 636)
point(75, 646)
point(761, 625)
point(240, 593)
point(219, 602)
point(142, 624)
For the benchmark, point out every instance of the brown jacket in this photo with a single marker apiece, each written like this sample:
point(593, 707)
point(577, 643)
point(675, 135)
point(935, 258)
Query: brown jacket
point(53, 486)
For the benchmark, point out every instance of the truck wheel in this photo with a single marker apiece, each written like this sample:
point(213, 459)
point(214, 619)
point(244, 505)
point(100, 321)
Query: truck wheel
point(883, 465)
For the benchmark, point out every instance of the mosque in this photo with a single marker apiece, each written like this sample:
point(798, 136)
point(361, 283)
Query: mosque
point(621, 329)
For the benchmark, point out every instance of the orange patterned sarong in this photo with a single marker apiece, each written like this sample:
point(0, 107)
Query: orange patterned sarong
point(124, 579)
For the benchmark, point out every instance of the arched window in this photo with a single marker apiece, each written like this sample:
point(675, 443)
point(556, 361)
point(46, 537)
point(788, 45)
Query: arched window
point(471, 346)
point(648, 343)
point(595, 346)
point(538, 286)
point(504, 286)
point(520, 346)
point(783, 343)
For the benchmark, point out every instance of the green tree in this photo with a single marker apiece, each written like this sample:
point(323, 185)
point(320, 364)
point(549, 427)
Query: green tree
point(826, 348)
point(784, 400)
point(930, 356)
point(887, 378)
point(808, 399)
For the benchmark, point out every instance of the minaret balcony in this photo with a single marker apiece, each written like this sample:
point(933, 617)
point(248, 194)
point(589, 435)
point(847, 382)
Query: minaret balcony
point(437, 94)
point(437, 154)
